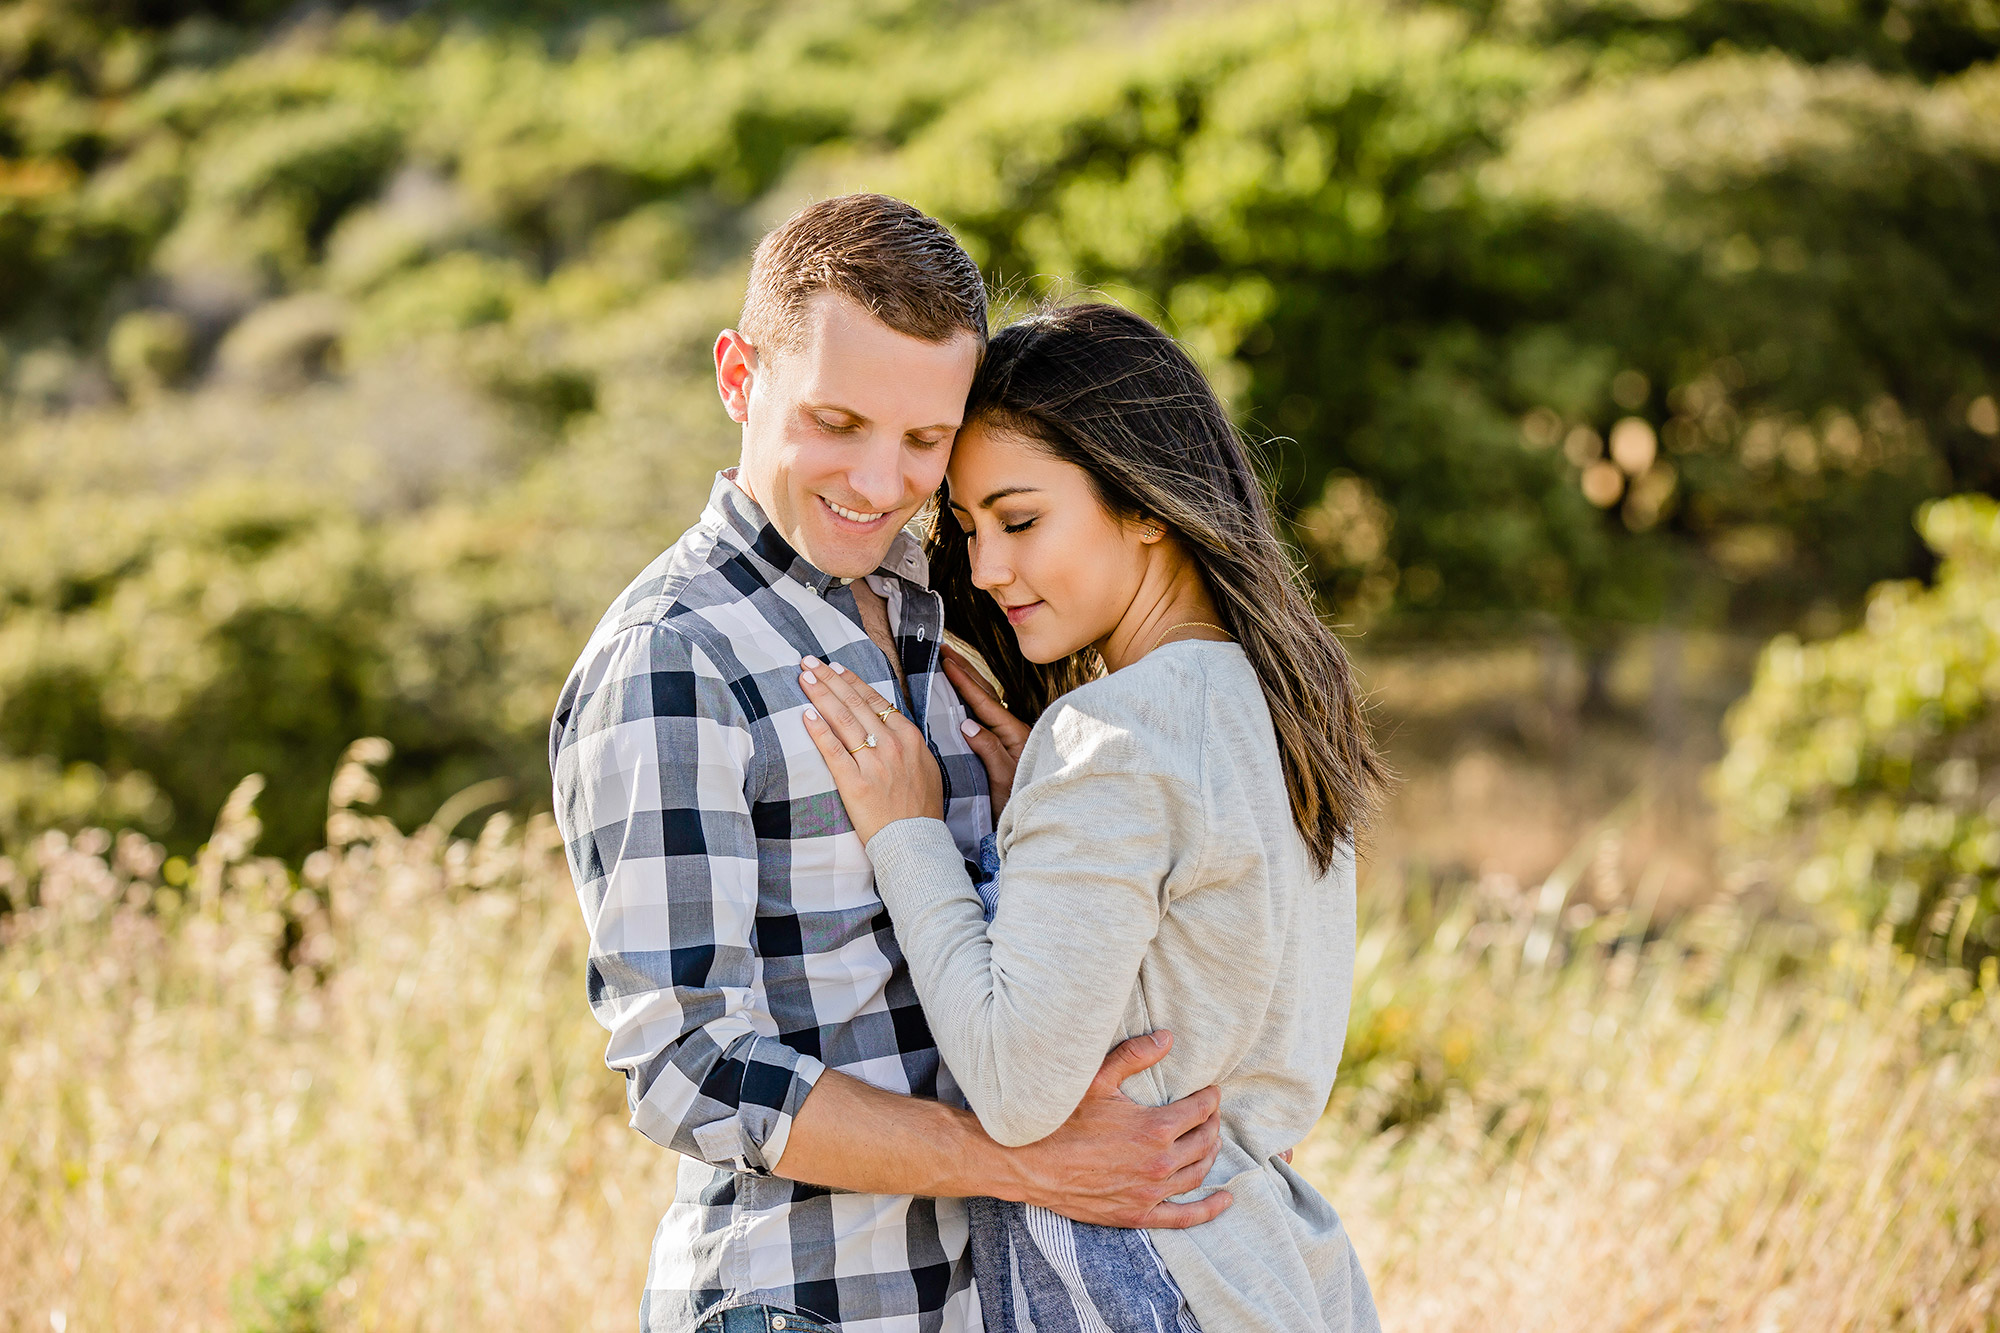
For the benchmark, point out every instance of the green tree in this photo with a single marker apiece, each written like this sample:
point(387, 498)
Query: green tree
point(1867, 767)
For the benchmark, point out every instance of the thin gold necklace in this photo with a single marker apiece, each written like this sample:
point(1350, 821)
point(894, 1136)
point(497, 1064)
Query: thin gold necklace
point(1185, 624)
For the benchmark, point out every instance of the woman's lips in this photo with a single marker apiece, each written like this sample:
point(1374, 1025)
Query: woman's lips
point(1017, 614)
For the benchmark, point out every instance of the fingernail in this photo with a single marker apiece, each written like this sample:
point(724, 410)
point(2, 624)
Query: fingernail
point(810, 678)
point(969, 727)
point(1158, 1040)
point(812, 713)
point(839, 670)
point(809, 661)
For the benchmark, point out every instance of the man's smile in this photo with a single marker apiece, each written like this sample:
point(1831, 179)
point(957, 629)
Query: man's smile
point(857, 517)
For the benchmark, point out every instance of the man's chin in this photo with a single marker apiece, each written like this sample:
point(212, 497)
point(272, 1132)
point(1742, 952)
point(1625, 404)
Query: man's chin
point(847, 555)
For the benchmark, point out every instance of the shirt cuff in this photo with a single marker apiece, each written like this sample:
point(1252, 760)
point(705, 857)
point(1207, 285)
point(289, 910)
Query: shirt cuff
point(750, 1098)
point(987, 881)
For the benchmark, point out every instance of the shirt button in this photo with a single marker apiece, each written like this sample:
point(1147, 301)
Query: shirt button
point(778, 1321)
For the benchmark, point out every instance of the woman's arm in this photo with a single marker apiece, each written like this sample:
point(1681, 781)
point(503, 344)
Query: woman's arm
point(1022, 1011)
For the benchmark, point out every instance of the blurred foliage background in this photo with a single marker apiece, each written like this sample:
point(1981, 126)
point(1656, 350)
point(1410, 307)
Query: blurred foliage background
point(1628, 372)
point(351, 359)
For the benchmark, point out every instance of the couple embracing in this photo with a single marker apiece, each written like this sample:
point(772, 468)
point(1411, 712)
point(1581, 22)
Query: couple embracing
point(968, 1007)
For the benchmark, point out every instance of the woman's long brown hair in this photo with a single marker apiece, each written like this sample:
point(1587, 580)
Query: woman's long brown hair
point(1103, 389)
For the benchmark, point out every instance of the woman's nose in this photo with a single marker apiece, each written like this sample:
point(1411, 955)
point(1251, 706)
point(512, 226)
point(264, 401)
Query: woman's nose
point(987, 573)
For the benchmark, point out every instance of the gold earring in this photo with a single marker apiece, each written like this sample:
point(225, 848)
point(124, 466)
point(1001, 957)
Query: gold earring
point(1152, 533)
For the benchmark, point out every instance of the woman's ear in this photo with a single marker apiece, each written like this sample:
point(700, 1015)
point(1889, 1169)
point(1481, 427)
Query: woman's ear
point(1150, 530)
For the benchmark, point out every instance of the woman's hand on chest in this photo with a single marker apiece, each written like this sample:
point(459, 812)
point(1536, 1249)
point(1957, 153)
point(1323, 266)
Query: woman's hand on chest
point(881, 764)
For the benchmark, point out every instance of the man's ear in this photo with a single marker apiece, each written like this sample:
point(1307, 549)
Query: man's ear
point(735, 371)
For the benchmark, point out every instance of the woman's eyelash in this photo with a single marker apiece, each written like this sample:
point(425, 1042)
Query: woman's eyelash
point(1022, 526)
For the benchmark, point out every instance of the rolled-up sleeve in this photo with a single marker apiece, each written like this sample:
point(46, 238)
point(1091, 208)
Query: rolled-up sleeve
point(650, 754)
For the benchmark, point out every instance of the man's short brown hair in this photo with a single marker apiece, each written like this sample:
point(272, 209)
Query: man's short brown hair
point(890, 258)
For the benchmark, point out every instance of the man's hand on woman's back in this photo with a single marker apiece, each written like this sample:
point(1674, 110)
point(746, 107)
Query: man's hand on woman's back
point(1117, 1163)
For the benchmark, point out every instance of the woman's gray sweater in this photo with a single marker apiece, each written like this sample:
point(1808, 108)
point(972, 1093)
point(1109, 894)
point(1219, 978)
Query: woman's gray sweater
point(1151, 877)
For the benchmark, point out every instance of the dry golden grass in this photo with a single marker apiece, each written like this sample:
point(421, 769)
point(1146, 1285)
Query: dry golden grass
point(411, 1127)
point(1504, 770)
point(195, 1137)
point(1711, 1132)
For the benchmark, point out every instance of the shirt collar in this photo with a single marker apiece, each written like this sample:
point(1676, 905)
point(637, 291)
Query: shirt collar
point(742, 522)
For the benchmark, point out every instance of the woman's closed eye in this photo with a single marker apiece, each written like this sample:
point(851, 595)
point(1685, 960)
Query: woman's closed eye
point(1022, 526)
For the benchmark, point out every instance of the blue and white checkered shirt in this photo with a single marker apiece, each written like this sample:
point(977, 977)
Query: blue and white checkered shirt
point(737, 945)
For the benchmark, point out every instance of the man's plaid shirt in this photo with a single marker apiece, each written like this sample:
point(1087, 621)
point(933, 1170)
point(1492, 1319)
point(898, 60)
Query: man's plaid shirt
point(737, 944)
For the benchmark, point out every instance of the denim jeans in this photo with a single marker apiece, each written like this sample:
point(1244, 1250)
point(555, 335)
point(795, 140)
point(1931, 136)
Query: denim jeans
point(763, 1319)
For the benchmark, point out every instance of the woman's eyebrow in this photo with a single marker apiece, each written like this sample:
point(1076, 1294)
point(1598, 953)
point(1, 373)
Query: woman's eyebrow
point(1006, 491)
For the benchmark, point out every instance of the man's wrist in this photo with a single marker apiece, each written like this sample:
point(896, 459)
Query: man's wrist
point(989, 1170)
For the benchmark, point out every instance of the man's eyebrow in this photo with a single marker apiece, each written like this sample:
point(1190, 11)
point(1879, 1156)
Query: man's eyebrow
point(834, 407)
point(862, 416)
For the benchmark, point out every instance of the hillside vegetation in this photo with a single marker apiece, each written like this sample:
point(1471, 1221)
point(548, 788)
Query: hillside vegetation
point(351, 363)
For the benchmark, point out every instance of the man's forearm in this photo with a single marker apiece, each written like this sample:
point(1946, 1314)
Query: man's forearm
point(854, 1136)
point(1114, 1163)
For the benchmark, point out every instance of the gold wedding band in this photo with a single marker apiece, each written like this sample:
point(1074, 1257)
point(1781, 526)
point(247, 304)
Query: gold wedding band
point(868, 744)
point(884, 713)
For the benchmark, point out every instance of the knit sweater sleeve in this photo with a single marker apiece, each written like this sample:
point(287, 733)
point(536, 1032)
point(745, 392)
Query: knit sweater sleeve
point(1024, 1009)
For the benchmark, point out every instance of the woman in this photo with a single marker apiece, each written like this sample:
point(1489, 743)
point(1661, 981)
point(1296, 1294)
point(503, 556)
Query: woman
point(1176, 849)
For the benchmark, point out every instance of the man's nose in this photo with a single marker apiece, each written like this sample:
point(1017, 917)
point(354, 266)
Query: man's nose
point(877, 475)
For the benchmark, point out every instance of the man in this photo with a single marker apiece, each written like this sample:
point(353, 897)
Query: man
point(740, 957)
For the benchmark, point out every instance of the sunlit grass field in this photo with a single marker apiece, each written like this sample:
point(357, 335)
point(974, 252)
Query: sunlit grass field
point(372, 1098)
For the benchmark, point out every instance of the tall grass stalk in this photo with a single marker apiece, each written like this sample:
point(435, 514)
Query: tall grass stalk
point(369, 1096)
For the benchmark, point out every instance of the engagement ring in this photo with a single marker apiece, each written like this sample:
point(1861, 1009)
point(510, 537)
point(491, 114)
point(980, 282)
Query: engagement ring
point(868, 744)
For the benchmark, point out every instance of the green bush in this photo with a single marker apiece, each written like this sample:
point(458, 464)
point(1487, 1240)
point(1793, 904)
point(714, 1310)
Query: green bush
point(318, 161)
point(298, 1289)
point(256, 629)
point(1924, 37)
point(1868, 766)
point(148, 351)
point(37, 794)
point(461, 291)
